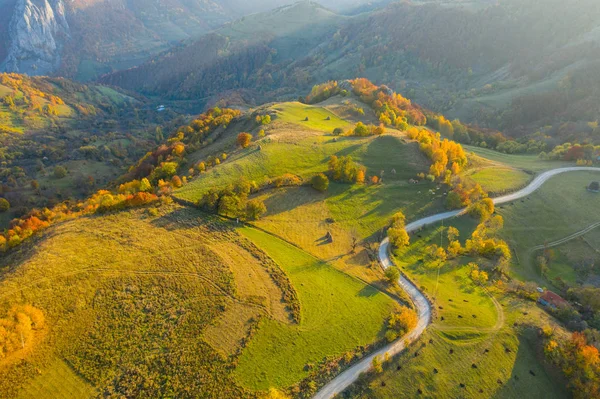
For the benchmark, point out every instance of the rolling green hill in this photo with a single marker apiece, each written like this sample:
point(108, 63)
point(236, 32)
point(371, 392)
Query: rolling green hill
point(222, 269)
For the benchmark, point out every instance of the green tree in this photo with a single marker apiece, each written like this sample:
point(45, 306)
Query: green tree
point(145, 185)
point(320, 182)
point(4, 205)
point(377, 366)
point(60, 172)
point(165, 171)
point(453, 200)
point(160, 137)
point(392, 275)
point(231, 206)
point(255, 209)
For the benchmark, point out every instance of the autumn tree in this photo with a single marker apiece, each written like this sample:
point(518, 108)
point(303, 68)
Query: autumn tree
point(452, 233)
point(244, 139)
point(176, 182)
point(482, 209)
point(276, 394)
point(343, 169)
point(435, 256)
point(401, 323)
point(397, 232)
point(360, 176)
point(377, 365)
point(479, 277)
point(361, 130)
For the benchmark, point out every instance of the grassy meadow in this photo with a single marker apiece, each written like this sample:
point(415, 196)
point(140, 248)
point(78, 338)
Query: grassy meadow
point(528, 163)
point(214, 313)
point(303, 216)
point(562, 206)
point(482, 342)
point(496, 180)
point(338, 314)
point(98, 279)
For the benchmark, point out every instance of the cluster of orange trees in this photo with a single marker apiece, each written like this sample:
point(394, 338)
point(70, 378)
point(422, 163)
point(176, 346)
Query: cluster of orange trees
point(391, 108)
point(448, 157)
point(579, 360)
point(17, 328)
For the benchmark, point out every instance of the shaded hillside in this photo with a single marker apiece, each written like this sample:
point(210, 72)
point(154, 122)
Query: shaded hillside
point(62, 140)
point(246, 54)
point(508, 65)
point(85, 39)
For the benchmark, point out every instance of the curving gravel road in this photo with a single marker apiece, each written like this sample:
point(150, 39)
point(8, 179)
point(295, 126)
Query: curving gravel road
point(347, 377)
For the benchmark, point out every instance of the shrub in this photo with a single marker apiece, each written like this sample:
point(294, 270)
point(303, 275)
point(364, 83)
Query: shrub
point(392, 275)
point(60, 172)
point(286, 180)
point(320, 182)
point(338, 131)
point(255, 209)
point(361, 129)
point(4, 205)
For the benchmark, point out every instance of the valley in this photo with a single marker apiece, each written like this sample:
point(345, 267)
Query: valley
point(295, 199)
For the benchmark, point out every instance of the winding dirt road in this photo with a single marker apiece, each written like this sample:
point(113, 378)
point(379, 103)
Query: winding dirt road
point(350, 375)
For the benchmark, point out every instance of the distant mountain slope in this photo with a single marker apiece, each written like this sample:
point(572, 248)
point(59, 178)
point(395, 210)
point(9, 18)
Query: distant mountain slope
point(509, 64)
point(240, 55)
point(84, 38)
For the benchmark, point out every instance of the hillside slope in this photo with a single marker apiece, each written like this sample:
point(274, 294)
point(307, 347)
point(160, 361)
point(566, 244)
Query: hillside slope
point(509, 65)
point(61, 140)
point(85, 39)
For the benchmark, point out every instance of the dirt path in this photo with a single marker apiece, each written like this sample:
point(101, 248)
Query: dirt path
point(565, 239)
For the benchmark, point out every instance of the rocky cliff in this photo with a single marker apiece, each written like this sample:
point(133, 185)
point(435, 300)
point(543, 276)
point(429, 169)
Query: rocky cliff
point(37, 31)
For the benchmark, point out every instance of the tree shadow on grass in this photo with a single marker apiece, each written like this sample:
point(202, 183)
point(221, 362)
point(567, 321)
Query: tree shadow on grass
point(368, 291)
point(184, 218)
point(529, 377)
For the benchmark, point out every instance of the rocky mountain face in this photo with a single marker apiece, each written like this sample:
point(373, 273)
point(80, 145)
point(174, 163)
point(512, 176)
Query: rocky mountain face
point(84, 39)
point(37, 32)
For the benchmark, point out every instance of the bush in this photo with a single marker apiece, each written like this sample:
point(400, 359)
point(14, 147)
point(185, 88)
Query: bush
point(255, 209)
point(320, 182)
point(4, 205)
point(392, 275)
point(361, 130)
point(60, 172)
point(338, 131)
